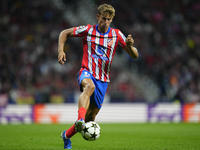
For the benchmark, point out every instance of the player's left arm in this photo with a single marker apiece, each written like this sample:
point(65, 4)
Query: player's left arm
point(132, 51)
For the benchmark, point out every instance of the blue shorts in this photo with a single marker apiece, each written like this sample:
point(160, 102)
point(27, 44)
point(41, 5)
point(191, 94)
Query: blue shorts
point(97, 97)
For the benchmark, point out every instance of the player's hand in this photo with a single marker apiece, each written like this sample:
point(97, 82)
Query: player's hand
point(129, 40)
point(61, 57)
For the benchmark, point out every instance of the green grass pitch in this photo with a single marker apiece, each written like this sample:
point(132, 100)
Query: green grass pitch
point(147, 136)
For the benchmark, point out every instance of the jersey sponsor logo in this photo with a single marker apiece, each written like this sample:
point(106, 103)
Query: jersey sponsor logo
point(100, 53)
point(81, 29)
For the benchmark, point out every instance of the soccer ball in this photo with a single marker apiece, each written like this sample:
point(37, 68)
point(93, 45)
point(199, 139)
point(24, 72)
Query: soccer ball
point(91, 131)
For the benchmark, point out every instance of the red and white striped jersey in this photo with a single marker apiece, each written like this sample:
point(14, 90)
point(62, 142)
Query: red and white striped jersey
point(99, 49)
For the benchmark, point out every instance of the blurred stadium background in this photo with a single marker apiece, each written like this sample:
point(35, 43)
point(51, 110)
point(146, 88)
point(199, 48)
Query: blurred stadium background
point(166, 34)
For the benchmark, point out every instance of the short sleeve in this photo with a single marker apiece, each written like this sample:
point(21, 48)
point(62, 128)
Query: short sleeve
point(81, 31)
point(121, 39)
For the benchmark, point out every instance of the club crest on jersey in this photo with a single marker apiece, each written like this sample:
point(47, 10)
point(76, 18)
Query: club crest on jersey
point(110, 42)
point(81, 29)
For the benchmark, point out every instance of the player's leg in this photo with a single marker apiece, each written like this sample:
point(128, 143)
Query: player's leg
point(87, 88)
point(91, 113)
point(84, 102)
point(96, 100)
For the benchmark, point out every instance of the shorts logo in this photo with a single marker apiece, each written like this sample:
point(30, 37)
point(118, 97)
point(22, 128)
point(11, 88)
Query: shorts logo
point(86, 74)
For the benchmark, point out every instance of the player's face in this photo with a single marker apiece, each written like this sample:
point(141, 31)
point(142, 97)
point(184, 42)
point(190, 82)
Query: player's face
point(104, 22)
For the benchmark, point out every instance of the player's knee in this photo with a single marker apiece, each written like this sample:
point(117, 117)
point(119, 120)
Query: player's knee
point(91, 87)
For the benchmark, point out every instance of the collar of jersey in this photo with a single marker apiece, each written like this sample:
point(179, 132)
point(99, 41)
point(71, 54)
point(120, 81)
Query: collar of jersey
point(100, 32)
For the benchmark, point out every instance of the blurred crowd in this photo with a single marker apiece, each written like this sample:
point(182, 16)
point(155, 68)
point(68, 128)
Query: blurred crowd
point(28, 51)
point(166, 33)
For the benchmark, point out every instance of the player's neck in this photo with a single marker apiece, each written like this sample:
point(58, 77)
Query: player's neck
point(103, 30)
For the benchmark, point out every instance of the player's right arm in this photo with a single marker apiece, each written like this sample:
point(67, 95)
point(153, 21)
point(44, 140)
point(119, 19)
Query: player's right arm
point(61, 42)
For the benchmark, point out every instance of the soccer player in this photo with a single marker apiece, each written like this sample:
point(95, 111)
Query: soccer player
point(99, 45)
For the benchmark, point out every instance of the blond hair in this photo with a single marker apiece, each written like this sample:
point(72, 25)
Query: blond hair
point(106, 9)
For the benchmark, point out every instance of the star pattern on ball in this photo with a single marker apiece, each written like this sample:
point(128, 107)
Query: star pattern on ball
point(94, 125)
point(93, 135)
point(85, 129)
